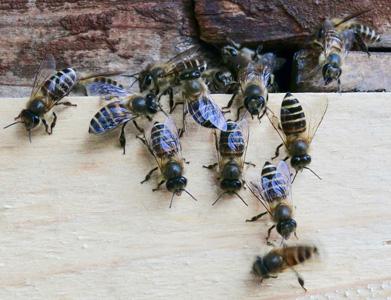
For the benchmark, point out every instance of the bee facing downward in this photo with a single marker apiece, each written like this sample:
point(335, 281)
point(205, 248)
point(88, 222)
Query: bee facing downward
point(231, 151)
point(281, 259)
point(274, 190)
point(164, 144)
point(297, 127)
point(120, 112)
point(49, 88)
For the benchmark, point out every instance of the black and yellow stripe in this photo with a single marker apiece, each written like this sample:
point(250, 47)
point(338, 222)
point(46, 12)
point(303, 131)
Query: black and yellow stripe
point(367, 34)
point(292, 116)
point(275, 185)
point(333, 41)
point(208, 112)
point(60, 84)
point(163, 141)
point(298, 254)
point(231, 141)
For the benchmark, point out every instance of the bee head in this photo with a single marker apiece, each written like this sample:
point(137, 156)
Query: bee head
point(30, 119)
point(176, 185)
point(331, 72)
point(259, 268)
point(300, 161)
point(270, 263)
point(254, 104)
point(152, 104)
point(146, 81)
point(224, 77)
point(190, 75)
point(285, 228)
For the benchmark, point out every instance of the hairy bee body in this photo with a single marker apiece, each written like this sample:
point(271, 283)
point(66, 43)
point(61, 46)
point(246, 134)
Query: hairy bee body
point(218, 80)
point(281, 259)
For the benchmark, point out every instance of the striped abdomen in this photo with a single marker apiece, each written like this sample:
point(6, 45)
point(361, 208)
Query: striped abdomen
point(203, 111)
point(367, 34)
point(60, 84)
point(333, 41)
point(273, 184)
point(163, 141)
point(231, 141)
point(190, 69)
point(292, 116)
point(109, 117)
point(299, 254)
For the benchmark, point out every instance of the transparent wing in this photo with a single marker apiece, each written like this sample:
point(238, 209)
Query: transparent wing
point(274, 119)
point(52, 87)
point(285, 173)
point(46, 69)
point(244, 129)
point(173, 143)
point(255, 186)
point(314, 111)
point(348, 38)
point(267, 65)
point(208, 110)
point(110, 117)
point(185, 54)
point(279, 187)
point(105, 87)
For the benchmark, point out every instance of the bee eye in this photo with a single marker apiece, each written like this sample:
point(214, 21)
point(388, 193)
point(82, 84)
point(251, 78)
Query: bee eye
point(36, 120)
point(320, 33)
point(218, 76)
point(148, 79)
point(233, 52)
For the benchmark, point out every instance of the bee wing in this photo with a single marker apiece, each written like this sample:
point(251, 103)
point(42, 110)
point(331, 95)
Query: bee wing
point(46, 69)
point(170, 125)
point(314, 112)
point(255, 186)
point(244, 128)
point(110, 117)
point(274, 119)
point(286, 181)
point(268, 64)
point(185, 54)
point(105, 87)
point(209, 110)
point(348, 38)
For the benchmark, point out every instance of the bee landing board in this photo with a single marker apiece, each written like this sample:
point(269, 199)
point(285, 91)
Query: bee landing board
point(73, 213)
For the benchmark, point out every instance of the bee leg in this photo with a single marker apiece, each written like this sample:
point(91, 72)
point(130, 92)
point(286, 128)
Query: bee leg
point(277, 153)
point(46, 126)
point(238, 113)
point(296, 236)
point(186, 161)
point(158, 186)
point(253, 219)
point(171, 94)
point(361, 43)
point(268, 234)
point(138, 128)
point(53, 123)
point(260, 117)
point(249, 163)
point(141, 139)
point(122, 139)
point(67, 103)
point(149, 175)
point(300, 279)
point(210, 167)
point(230, 101)
point(174, 106)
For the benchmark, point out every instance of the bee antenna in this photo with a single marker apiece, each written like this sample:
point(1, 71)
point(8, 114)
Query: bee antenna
point(133, 82)
point(162, 109)
point(132, 75)
point(219, 198)
point(244, 115)
point(294, 177)
point(172, 198)
point(13, 124)
point(312, 172)
point(189, 194)
point(282, 241)
point(240, 198)
point(30, 135)
point(324, 82)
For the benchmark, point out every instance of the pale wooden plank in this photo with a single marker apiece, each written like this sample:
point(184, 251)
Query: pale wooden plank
point(76, 223)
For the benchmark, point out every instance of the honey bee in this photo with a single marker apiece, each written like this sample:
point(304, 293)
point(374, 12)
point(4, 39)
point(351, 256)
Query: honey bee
point(231, 149)
point(218, 80)
point(198, 102)
point(120, 112)
point(280, 259)
point(297, 128)
point(49, 88)
point(164, 144)
point(274, 190)
point(234, 49)
point(336, 37)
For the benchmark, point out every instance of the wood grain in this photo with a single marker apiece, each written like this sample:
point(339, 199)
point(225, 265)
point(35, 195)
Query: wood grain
point(75, 222)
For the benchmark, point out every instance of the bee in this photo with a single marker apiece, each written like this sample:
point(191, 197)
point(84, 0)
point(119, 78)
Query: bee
point(280, 259)
point(274, 190)
point(158, 77)
point(218, 80)
point(336, 37)
point(234, 49)
point(198, 102)
point(120, 112)
point(297, 128)
point(231, 149)
point(164, 144)
point(49, 88)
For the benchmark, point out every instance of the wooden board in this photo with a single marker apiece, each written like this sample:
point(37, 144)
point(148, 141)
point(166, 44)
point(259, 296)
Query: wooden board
point(75, 222)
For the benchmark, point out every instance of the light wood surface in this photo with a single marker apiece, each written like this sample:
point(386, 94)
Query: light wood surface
point(75, 222)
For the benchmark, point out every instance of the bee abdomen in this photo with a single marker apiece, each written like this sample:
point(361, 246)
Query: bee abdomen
point(268, 170)
point(367, 34)
point(292, 116)
point(231, 141)
point(60, 84)
point(104, 119)
point(163, 141)
point(333, 41)
point(191, 65)
point(203, 118)
point(299, 254)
